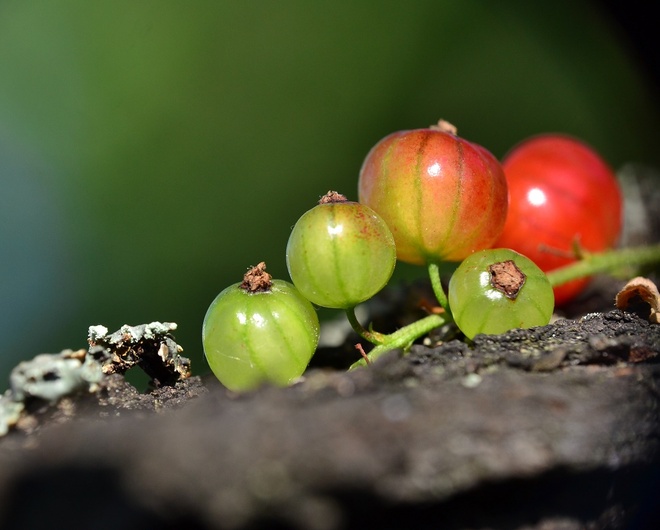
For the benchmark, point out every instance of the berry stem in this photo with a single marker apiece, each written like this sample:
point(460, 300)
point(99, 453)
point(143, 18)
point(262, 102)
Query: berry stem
point(436, 284)
point(609, 261)
point(372, 336)
point(403, 337)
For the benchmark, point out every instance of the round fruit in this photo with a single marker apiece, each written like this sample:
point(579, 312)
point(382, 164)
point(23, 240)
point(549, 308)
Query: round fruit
point(495, 290)
point(340, 253)
point(561, 195)
point(442, 196)
point(259, 331)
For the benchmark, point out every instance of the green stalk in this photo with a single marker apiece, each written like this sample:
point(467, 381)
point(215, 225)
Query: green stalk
point(369, 335)
point(403, 337)
point(609, 261)
point(436, 284)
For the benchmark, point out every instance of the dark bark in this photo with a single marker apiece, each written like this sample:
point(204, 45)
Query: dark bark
point(555, 427)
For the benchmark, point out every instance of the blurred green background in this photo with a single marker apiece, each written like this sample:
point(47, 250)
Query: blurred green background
point(150, 151)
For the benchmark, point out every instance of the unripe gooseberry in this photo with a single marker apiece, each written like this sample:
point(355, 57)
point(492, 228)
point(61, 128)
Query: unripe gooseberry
point(495, 290)
point(259, 331)
point(442, 196)
point(340, 253)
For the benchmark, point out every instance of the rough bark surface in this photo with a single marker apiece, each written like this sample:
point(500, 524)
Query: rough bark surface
point(554, 427)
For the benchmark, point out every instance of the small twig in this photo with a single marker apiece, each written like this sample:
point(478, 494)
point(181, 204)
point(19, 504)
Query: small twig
point(576, 252)
point(364, 355)
point(430, 308)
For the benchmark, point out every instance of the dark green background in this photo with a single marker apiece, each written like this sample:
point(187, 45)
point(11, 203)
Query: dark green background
point(150, 151)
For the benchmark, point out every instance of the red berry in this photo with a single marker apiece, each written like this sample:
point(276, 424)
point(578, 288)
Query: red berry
point(441, 196)
point(561, 193)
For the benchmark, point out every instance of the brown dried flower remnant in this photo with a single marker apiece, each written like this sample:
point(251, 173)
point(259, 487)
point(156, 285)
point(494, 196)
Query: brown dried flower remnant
point(445, 126)
point(332, 196)
point(507, 278)
point(257, 280)
point(640, 295)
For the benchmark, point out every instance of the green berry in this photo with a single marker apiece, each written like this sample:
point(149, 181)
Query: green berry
point(340, 253)
point(495, 290)
point(259, 331)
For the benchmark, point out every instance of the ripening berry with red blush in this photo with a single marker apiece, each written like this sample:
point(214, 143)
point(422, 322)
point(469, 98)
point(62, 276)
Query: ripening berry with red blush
point(442, 197)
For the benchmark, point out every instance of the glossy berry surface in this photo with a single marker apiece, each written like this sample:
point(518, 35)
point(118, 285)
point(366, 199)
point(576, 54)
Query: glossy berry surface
point(561, 193)
point(340, 253)
point(442, 196)
point(495, 290)
point(251, 338)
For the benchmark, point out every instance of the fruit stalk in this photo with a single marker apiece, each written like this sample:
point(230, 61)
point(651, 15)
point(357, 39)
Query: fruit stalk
point(436, 284)
point(609, 261)
point(367, 334)
point(403, 337)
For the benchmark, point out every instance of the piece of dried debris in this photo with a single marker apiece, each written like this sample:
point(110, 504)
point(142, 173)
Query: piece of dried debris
point(640, 295)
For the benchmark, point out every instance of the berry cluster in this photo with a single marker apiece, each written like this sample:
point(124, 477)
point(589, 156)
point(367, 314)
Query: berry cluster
point(425, 196)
